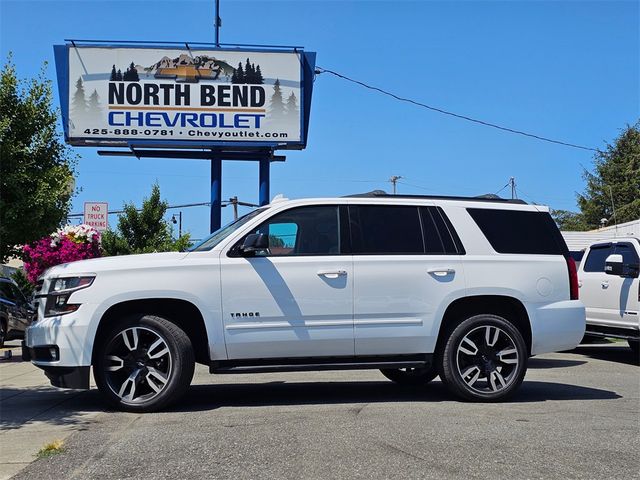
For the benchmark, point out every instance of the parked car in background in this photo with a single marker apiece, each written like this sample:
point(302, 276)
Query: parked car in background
point(610, 289)
point(16, 313)
point(464, 288)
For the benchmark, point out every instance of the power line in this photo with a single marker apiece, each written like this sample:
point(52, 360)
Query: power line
point(457, 115)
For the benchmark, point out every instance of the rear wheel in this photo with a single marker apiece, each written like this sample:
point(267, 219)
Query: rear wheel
point(410, 376)
point(144, 363)
point(484, 359)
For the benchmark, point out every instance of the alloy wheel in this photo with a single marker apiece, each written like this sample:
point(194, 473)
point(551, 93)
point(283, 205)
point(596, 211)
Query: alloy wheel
point(138, 364)
point(487, 359)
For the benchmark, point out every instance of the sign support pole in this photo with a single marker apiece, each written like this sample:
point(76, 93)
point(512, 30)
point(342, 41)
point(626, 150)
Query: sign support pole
point(263, 198)
point(216, 194)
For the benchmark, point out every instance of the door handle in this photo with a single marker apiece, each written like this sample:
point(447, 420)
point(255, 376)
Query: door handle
point(441, 271)
point(332, 273)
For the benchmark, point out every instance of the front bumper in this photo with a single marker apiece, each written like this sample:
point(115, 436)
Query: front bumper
point(62, 377)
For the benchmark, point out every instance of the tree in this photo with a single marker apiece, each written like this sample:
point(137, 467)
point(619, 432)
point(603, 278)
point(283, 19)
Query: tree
point(239, 74)
point(292, 106)
point(143, 231)
point(259, 80)
point(277, 105)
point(94, 102)
point(36, 167)
point(113, 74)
point(615, 182)
point(249, 72)
point(79, 103)
point(119, 75)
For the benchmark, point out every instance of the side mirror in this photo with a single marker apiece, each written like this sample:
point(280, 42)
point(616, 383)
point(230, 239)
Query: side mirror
point(614, 265)
point(254, 242)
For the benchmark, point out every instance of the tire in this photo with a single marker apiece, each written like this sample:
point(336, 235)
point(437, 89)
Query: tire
point(410, 376)
point(633, 345)
point(144, 363)
point(484, 359)
point(3, 332)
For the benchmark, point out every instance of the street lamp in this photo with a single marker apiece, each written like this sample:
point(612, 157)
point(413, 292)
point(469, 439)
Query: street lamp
point(178, 221)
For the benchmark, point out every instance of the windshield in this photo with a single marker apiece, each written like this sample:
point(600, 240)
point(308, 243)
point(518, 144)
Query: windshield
point(216, 237)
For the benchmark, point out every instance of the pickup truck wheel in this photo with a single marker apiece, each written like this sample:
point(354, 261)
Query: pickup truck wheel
point(144, 364)
point(484, 359)
point(410, 376)
point(633, 345)
point(3, 332)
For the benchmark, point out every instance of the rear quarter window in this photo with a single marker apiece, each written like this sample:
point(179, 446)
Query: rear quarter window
point(517, 231)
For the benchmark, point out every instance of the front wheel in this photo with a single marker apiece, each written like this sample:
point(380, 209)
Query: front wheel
point(144, 363)
point(484, 359)
point(410, 376)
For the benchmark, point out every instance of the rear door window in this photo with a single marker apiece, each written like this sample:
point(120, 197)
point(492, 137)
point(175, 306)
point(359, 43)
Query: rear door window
point(386, 230)
point(597, 256)
point(517, 231)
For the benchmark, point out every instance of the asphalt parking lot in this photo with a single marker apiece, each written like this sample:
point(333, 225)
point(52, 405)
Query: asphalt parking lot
point(577, 415)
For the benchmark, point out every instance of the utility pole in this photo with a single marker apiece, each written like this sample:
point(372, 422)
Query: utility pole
point(233, 201)
point(394, 179)
point(217, 23)
point(512, 182)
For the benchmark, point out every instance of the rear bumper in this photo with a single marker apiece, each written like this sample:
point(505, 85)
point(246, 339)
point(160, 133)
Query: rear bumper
point(557, 326)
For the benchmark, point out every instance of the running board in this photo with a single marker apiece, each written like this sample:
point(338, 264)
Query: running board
point(229, 367)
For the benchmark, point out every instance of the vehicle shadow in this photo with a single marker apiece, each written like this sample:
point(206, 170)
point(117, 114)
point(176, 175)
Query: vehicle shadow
point(21, 406)
point(553, 363)
point(210, 397)
point(619, 353)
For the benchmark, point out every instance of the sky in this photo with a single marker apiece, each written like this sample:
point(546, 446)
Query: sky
point(568, 70)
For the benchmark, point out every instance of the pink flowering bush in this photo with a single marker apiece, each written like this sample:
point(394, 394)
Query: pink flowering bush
point(71, 243)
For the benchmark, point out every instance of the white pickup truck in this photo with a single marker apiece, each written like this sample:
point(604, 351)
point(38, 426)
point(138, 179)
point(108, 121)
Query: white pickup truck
point(610, 289)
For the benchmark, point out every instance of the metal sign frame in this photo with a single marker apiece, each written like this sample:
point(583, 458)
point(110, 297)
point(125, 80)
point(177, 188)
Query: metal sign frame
point(307, 67)
point(214, 151)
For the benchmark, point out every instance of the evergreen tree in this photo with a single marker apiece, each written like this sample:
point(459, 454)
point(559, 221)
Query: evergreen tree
point(132, 74)
point(248, 72)
point(79, 102)
point(277, 105)
point(113, 74)
point(94, 103)
point(259, 80)
point(143, 231)
point(292, 106)
point(616, 179)
point(119, 76)
point(239, 73)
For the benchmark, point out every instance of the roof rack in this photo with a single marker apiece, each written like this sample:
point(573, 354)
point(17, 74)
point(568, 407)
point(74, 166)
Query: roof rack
point(489, 197)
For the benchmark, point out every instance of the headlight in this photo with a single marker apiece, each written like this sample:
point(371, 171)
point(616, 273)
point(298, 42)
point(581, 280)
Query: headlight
point(70, 283)
point(59, 292)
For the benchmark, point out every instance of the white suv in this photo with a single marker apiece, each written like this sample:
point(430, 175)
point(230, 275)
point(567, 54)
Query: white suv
point(464, 288)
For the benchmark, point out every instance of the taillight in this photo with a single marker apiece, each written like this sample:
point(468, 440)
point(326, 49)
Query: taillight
point(573, 277)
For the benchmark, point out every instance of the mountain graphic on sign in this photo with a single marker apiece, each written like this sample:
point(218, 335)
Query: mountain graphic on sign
point(186, 68)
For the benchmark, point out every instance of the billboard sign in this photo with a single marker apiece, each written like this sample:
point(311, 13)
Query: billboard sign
point(96, 215)
point(123, 95)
